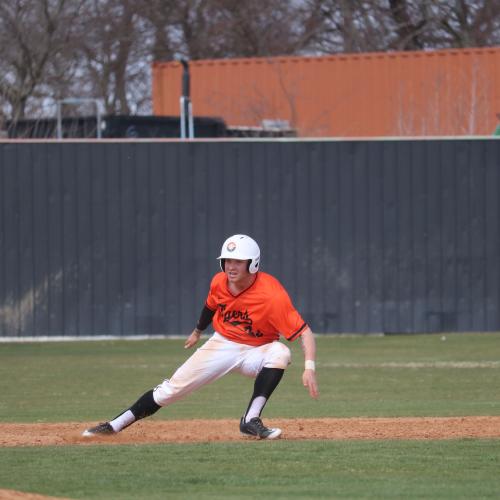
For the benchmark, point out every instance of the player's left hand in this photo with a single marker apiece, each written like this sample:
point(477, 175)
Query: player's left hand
point(192, 339)
point(309, 381)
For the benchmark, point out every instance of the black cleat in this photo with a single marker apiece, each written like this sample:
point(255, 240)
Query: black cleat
point(255, 428)
point(103, 429)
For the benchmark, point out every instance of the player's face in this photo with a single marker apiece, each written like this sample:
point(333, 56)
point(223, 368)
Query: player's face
point(236, 270)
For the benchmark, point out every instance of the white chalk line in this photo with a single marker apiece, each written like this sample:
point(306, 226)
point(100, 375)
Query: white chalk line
point(416, 364)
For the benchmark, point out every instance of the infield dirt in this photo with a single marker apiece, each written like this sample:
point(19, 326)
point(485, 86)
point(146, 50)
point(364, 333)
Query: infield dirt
point(22, 495)
point(192, 431)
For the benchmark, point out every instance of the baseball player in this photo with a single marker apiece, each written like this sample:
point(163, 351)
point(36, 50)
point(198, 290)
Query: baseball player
point(249, 310)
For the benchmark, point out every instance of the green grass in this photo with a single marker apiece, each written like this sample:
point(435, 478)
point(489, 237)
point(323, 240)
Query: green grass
point(419, 375)
point(345, 469)
point(44, 382)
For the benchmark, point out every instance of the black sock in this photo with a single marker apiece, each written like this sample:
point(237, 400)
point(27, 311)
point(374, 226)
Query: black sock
point(145, 406)
point(267, 380)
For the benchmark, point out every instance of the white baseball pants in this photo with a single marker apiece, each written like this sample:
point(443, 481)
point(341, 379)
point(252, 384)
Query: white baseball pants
point(214, 359)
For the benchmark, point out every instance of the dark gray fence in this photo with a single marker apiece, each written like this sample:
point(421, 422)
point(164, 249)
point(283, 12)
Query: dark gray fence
point(368, 236)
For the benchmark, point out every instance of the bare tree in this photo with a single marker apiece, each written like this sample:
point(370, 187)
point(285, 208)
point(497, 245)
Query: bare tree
point(465, 23)
point(380, 25)
point(266, 28)
point(110, 55)
point(35, 36)
point(445, 23)
point(407, 27)
point(351, 26)
point(51, 49)
point(161, 16)
point(210, 29)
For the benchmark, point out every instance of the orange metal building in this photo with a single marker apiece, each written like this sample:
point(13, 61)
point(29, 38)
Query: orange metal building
point(433, 93)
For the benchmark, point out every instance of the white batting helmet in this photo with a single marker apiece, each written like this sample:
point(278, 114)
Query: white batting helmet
point(241, 247)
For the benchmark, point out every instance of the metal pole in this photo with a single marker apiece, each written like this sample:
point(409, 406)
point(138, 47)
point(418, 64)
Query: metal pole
point(191, 121)
point(59, 120)
point(187, 124)
point(183, 119)
point(99, 134)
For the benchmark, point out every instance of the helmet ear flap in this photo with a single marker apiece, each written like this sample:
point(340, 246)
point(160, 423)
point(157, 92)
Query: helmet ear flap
point(253, 265)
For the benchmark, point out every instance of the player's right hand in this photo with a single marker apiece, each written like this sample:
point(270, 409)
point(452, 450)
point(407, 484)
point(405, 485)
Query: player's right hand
point(192, 339)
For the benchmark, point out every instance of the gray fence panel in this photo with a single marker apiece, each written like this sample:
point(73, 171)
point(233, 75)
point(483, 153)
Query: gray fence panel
point(121, 238)
point(10, 254)
point(492, 245)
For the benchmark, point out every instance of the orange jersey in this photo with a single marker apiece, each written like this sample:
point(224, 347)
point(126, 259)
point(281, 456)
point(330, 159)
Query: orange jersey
point(257, 315)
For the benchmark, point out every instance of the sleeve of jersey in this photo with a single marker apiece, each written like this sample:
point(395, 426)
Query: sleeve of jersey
point(286, 319)
point(211, 302)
